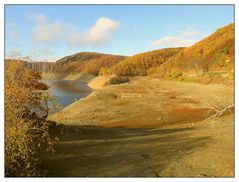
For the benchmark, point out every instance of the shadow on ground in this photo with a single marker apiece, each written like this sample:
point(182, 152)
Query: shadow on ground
point(124, 152)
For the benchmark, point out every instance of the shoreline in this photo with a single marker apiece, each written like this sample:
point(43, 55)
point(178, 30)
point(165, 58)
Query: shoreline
point(109, 108)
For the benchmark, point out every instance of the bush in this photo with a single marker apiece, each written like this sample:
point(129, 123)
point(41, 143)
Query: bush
point(118, 80)
point(26, 128)
point(177, 74)
point(152, 71)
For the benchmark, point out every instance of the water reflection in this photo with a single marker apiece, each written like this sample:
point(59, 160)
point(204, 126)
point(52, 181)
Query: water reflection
point(67, 92)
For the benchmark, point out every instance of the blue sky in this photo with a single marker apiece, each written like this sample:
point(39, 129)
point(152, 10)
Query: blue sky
point(49, 32)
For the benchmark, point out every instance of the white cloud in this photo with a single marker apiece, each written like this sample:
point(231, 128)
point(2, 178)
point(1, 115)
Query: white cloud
point(12, 31)
point(39, 18)
point(173, 41)
point(101, 31)
point(47, 33)
point(186, 37)
point(191, 33)
point(15, 53)
point(14, 34)
point(44, 31)
point(99, 34)
point(11, 25)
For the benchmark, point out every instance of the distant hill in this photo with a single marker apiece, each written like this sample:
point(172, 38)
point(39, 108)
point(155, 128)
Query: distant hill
point(140, 64)
point(214, 53)
point(41, 66)
point(211, 56)
point(36, 66)
point(86, 62)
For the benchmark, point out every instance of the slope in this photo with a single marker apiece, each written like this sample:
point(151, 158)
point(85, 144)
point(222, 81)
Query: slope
point(88, 62)
point(140, 64)
point(214, 53)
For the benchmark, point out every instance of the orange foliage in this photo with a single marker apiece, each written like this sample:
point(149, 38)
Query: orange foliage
point(87, 62)
point(140, 64)
point(25, 112)
point(214, 53)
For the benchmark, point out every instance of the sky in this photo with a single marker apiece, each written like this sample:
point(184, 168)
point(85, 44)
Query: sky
point(50, 32)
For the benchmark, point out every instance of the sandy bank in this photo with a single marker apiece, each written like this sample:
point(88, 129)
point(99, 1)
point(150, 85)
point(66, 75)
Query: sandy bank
point(80, 76)
point(102, 81)
point(149, 103)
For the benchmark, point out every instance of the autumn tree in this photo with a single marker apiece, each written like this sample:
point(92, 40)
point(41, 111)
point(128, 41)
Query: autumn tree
point(139, 64)
point(26, 128)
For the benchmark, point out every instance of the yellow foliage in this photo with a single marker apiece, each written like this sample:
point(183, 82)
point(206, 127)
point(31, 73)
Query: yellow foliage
point(24, 112)
point(140, 64)
point(214, 53)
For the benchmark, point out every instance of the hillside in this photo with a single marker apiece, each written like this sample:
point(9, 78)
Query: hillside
point(75, 66)
point(36, 66)
point(140, 64)
point(86, 62)
point(211, 57)
point(44, 67)
point(214, 53)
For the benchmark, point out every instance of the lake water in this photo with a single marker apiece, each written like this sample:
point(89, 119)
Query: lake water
point(66, 92)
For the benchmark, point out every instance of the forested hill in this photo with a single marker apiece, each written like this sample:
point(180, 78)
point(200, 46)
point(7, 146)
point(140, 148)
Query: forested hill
point(140, 64)
point(83, 62)
point(87, 62)
point(214, 53)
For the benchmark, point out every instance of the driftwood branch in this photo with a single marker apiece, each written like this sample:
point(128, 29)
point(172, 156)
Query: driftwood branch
point(219, 112)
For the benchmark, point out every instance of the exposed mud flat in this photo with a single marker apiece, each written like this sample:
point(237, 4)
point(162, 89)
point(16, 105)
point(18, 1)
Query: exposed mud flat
point(161, 103)
point(204, 150)
point(164, 132)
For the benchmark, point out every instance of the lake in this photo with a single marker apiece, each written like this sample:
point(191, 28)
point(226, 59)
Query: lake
point(66, 91)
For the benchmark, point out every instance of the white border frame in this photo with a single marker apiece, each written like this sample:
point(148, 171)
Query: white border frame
point(3, 2)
